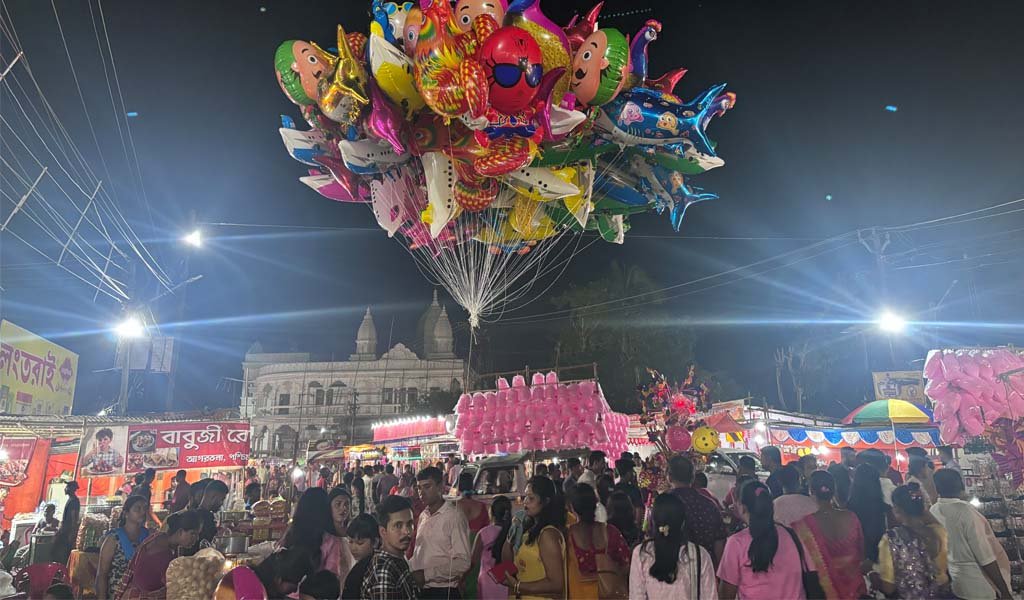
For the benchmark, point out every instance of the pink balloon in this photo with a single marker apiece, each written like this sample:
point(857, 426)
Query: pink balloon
point(385, 121)
point(971, 421)
point(678, 439)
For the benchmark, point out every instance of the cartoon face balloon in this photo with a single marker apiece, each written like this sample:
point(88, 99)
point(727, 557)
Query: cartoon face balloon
point(468, 10)
point(300, 66)
point(512, 62)
point(600, 67)
point(411, 29)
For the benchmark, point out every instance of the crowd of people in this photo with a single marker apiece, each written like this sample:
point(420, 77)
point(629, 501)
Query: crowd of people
point(587, 530)
point(584, 530)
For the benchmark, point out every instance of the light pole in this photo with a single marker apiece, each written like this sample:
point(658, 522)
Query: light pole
point(892, 324)
point(193, 241)
point(131, 328)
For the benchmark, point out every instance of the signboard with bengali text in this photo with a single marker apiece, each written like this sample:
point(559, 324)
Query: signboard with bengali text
point(173, 446)
point(37, 377)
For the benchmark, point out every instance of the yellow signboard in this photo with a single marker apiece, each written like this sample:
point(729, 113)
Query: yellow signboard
point(37, 377)
point(904, 385)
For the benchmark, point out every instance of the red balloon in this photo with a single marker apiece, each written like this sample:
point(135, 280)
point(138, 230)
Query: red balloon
point(678, 439)
point(512, 62)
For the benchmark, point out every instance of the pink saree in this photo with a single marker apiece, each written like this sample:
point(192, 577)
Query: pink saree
point(836, 561)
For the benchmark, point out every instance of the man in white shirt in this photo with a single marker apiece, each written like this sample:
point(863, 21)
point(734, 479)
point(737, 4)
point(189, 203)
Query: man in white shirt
point(792, 505)
point(978, 565)
point(441, 555)
point(596, 465)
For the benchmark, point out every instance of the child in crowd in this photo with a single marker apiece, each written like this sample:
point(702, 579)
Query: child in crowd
point(364, 537)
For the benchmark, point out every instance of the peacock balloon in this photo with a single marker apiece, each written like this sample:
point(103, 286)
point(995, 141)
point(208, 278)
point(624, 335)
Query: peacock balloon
point(493, 143)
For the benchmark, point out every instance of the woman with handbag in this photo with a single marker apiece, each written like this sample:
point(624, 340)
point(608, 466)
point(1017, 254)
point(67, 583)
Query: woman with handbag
point(598, 556)
point(669, 566)
point(764, 561)
point(833, 541)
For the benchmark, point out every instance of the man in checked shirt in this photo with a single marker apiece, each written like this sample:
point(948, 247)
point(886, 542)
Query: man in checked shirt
point(388, 576)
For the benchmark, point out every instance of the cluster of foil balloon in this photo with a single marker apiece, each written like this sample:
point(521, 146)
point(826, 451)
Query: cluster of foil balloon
point(483, 124)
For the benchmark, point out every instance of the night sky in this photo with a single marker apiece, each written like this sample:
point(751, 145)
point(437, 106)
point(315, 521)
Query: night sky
point(811, 152)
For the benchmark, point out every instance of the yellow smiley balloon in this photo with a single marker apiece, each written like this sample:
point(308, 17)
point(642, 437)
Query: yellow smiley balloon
point(705, 440)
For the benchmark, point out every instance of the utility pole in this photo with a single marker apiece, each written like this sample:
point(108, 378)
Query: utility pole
point(124, 344)
point(876, 242)
point(179, 316)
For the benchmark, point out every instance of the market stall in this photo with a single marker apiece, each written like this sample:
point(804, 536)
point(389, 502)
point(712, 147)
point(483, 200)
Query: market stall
point(416, 440)
point(797, 441)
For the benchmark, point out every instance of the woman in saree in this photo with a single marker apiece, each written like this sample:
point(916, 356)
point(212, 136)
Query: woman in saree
point(833, 540)
point(146, 577)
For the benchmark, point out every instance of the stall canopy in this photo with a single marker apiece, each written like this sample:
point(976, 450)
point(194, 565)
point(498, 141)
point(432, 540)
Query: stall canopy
point(860, 438)
point(724, 422)
point(892, 410)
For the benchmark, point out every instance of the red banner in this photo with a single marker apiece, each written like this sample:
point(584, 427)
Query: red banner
point(20, 492)
point(187, 446)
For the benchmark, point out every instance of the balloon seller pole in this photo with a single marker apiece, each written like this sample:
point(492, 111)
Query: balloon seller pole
point(466, 385)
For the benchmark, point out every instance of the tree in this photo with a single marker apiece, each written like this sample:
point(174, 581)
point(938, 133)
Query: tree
point(807, 369)
point(621, 335)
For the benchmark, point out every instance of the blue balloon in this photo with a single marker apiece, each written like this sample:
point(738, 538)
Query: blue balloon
point(642, 116)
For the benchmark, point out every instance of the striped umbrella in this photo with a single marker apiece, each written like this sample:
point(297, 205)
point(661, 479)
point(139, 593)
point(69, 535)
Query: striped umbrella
point(889, 411)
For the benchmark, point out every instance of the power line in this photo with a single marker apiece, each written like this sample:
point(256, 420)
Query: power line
point(562, 313)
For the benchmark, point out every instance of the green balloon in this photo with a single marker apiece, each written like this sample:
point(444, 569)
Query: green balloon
point(610, 206)
point(583, 149)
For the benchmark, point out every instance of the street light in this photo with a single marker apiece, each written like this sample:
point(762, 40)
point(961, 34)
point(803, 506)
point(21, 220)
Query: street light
point(130, 328)
point(194, 239)
point(891, 322)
